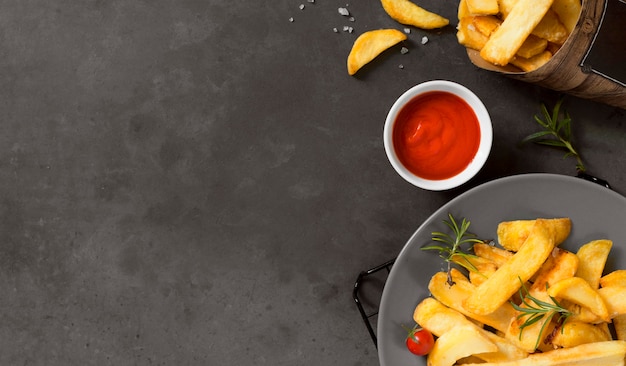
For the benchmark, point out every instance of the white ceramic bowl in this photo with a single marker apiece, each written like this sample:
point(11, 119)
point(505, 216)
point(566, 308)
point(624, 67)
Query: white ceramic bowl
point(484, 148)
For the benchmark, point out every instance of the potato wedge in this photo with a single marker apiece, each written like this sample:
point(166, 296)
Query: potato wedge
point(459, 342)
point(593, 257)
point(578, 291)
point(619, 324)
point(408, 13)
point(615, 278)
point(551, 28)
point(468, 36)
point(590, 354)
point(512, 234)
point(493, 254)
point(454, 296)
point(371, 44)
point(505, 282)
point(574, 333)
point(615, 299)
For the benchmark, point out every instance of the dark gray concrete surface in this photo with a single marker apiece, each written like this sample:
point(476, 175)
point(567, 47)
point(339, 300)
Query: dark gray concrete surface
point(200, 182)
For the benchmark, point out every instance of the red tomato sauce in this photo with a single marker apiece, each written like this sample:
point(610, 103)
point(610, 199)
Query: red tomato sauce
point(436, 135)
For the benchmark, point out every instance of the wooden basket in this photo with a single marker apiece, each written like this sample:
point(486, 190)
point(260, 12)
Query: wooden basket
point(572, 70)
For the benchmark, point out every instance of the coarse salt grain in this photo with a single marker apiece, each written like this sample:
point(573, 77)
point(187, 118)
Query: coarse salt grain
point(407, 30)
point(343, 11)
point(424, 40)
point(404, 50)
point(301, 6)
point(291, 20)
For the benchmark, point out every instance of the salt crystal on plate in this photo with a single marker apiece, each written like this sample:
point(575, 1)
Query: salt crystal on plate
point(343, 11)
point(424, 40)
point(291, 20)
point(404, 50)
point(407, 30)
point(301, 6)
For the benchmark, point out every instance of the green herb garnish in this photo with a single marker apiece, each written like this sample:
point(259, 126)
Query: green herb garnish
point(536, 310)
point(451, 250)
point(557, 132)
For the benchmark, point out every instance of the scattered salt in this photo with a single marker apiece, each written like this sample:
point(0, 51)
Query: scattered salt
point(291, 20)
point(404, 50)
point(351, 19)
point(301, 6)
point(335, 30)
point(424, 40)
point(407, 30)
point(343, 11)
point(311, 1)
point(401, 66)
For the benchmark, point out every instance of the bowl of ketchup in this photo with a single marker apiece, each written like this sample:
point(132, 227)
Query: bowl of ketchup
point(438, 135)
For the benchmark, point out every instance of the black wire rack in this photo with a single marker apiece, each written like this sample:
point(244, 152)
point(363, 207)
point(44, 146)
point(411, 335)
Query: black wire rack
point(367, 292)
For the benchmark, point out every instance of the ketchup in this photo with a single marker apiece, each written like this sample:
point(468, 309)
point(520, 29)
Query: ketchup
point(436, 135)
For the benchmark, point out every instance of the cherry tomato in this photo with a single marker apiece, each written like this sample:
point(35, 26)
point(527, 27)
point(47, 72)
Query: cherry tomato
point(420, 341)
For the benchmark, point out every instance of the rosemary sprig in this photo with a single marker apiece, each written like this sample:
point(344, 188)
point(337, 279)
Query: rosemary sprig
point(451, 250)
point(557, 132)
point(536, 310)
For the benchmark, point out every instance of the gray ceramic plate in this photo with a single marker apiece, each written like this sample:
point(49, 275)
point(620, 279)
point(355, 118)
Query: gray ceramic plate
point(596, 212)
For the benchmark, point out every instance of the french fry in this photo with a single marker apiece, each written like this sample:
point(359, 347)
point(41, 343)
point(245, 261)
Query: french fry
point(515, 28)
point(454, 296)
point(512, 234)
point(408, 13)
point(462, 11)
point(457, 343)
point(483, 7)
point(505, 282)
point(578, 291)
point(568, 12)
point(483, 271)
point(551, 28)
point(616, 278)
point(533, 63)
point(469, 36)
point(532, 46)
point(593, 257)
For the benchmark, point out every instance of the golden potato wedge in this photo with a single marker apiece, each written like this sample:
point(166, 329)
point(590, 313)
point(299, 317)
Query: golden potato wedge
point(533, 335)
point(408, 13)
point(459, 342)
point(515, 28)
point(561, 264)
point(593, 257)
point(486, 24)
point(483, 271)
point(568, 12)
point(483, 7)
point(578, 291)
point(619, 324)
point(462, 11)
point(492, 254)
point(454, 296)
point(615, 278)
point(615, 299)
point(371, 44)
point(590, 354)
point(575, 333)
point(505, 282)
point(533, 63)
point(512, 234)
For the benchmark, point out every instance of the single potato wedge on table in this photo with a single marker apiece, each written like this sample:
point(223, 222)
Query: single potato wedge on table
point(371, 44)
point(408, 13)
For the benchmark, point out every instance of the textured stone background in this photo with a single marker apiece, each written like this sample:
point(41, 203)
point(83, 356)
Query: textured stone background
point(200, 182)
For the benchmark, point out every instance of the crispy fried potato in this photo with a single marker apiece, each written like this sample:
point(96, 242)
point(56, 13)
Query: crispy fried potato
point(505, 282)
point(575, 333)
point(371, 44)
point(593, 257)
point(560, 265)
point(512, 234)
point(468, 36)
point(486, 24)
point(532, 46)
point(492, 254)
point(568, 11)
point(520, 22)
point(533, 63)
point(619, 324)
point(459, 342)
point(551, 29)
point(408, 13)
point(483, 7)
point(590, 354)
point(462, 11)
point(483, 271)
point(615, 299)
point(615, 278)
point(454, 296)
point(578, 291)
